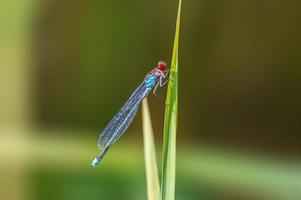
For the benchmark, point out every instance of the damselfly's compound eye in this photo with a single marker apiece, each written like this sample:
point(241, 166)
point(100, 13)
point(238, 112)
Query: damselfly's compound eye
point(161, 66)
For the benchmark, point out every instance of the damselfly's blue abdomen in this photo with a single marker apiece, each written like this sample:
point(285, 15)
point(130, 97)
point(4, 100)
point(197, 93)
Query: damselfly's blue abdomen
point(124, 117)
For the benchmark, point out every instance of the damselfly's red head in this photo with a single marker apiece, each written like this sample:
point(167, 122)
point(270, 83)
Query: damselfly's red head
point(162, 66)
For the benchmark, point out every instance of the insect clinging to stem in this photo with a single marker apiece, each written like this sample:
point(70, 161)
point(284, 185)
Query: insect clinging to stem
point(158, 77)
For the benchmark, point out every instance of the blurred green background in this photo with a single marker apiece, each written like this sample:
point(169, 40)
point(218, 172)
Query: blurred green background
point(68, 66)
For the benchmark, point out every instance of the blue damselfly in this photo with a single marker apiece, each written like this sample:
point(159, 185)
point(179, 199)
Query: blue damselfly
point(124, 117)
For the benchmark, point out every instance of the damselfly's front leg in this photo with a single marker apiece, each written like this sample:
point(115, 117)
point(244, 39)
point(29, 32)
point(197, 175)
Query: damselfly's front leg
point(160, 82)
point(163, 83)
point(164, 77)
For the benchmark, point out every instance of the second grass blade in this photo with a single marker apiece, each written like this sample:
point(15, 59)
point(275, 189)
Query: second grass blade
point(152, 178)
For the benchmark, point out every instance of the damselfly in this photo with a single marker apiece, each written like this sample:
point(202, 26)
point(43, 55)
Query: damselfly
point(124, 117)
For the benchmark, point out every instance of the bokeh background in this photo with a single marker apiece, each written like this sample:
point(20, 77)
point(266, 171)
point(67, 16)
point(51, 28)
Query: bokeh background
point(66, 67)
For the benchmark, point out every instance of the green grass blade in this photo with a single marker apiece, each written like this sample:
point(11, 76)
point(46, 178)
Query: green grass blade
point(170, 123)
point(152, 178)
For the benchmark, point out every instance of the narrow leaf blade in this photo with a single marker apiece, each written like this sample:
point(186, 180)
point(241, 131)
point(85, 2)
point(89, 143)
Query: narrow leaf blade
point(152, 178)
point(170, 123)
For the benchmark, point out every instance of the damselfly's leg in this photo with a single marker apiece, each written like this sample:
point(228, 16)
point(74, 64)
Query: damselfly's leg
point(155, 89)
point(158, 84)
point(161, 81)
point(166, 73)
point(161, 85)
